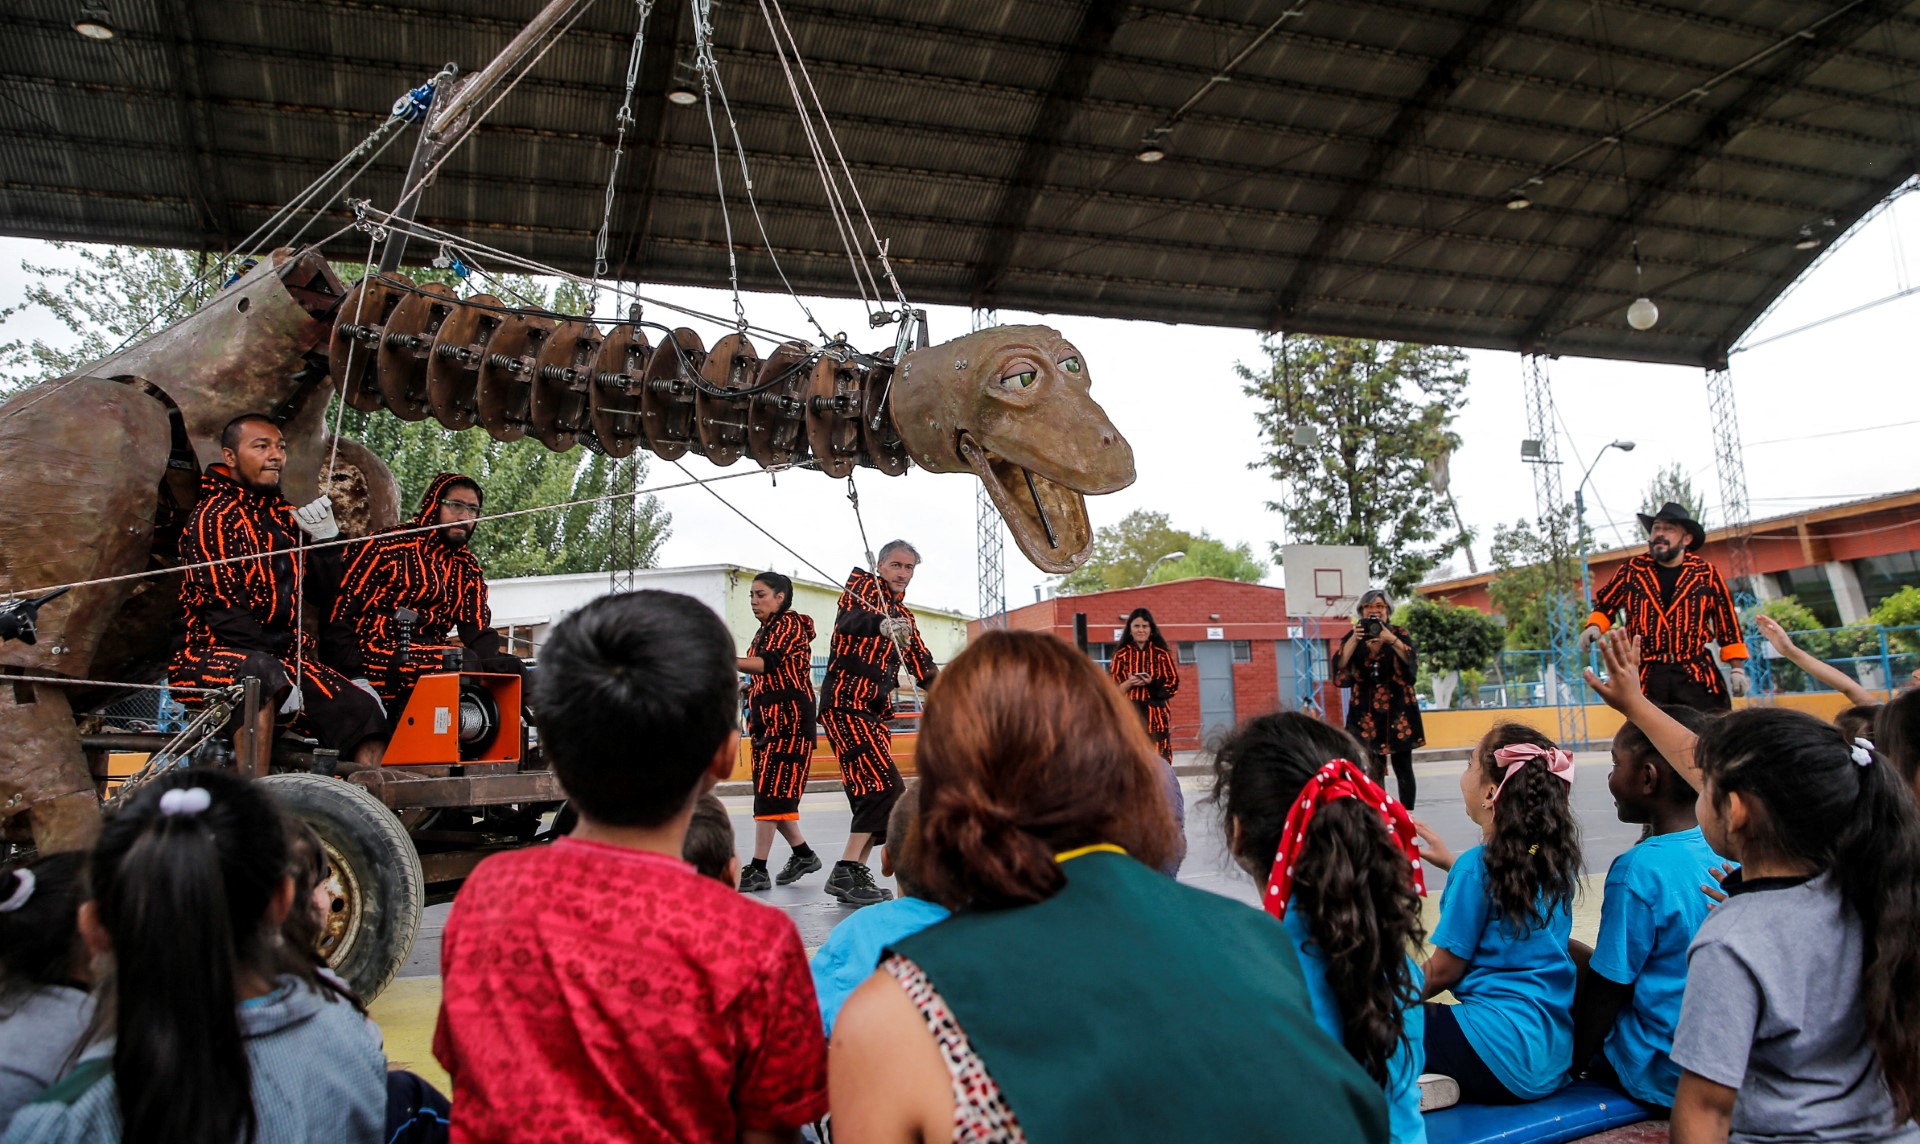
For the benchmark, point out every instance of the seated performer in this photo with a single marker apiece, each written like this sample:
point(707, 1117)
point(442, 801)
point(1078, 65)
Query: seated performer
point(432, 574)
point(241, 617)
point(873, 635)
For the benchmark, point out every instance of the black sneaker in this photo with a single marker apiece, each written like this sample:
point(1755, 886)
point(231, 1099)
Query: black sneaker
point(753, 879)
point(856, 887)
point(796, 869)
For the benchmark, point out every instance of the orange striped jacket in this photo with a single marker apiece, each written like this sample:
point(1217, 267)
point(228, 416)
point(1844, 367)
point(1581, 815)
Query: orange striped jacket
point(249, 605)
point(443, 583)
point(1701, 610)
point(861, 663)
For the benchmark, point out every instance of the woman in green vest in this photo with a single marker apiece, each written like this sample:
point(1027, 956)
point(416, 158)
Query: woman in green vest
point(1076, 994)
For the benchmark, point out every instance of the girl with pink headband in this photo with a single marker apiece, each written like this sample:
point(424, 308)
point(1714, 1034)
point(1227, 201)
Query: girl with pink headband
point(1505, 917)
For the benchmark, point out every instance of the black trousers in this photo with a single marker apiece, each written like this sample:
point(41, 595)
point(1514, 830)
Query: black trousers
point(1402, 772)
point(1669, 684)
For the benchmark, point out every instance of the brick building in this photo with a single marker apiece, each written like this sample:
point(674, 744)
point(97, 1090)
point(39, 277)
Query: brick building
point(1840, 561)
point(1236, 646)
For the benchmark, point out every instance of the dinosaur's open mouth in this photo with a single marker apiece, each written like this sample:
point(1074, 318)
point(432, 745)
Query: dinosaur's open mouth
point(1049, 520)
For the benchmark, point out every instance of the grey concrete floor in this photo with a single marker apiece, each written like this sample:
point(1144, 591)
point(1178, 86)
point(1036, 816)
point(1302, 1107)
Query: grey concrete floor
point(825, 818)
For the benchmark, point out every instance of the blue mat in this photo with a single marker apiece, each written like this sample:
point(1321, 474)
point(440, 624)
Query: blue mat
point(1580, 1109)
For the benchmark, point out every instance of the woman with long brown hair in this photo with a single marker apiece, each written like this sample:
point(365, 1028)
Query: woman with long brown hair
point(1049, 1005)
point(1145, 669)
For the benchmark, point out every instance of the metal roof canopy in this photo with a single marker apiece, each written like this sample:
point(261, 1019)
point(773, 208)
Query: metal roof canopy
point(1352, 177)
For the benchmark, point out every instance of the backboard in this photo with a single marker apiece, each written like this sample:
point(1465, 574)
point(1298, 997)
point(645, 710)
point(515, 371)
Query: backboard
point(1324, 580)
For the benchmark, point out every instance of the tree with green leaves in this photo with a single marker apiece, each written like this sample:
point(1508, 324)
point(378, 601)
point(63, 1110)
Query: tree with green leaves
point(1671, 483)
point(1357, 430)
point(112, 296)
point(1130, 552)
point(115, 293)
point(1451, 640)
point(1533, 560)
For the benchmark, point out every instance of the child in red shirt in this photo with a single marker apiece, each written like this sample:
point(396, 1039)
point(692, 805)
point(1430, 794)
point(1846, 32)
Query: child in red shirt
point(599, 988)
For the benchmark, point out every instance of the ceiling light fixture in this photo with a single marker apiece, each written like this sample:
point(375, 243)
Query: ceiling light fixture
point(1518, 201)
point(682, 96)
point(1150, 154)
point(1807, 239)
point(1642, 313)
point(93, 23)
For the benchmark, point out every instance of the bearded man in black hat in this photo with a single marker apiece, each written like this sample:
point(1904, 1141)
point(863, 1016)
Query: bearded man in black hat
point(1675, 602)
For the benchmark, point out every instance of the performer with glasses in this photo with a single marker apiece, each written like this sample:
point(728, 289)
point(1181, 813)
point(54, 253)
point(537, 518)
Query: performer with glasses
point(432, 574)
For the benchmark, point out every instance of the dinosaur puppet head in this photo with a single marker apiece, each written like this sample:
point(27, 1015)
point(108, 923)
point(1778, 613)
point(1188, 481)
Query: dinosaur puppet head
point(1011, 405)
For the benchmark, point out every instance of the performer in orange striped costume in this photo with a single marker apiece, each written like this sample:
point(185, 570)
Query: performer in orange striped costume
point(873, 636)
point(780, 718)
point(433, 574)
point(1675, 602)
point(239, 619)
point(1145, 669)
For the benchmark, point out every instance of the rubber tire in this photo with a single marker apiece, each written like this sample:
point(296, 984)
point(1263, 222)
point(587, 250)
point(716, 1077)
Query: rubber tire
point(381, 864)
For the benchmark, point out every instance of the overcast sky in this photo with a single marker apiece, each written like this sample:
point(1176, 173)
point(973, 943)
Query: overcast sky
point(1826, 415)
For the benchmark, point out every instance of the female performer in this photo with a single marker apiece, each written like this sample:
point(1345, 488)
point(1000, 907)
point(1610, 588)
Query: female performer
point(1144, 668)
point(780, 713)
point(1376, 660)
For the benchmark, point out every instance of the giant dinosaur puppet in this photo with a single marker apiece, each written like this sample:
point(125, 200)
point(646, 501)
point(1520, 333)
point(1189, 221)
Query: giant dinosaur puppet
point(98, 469)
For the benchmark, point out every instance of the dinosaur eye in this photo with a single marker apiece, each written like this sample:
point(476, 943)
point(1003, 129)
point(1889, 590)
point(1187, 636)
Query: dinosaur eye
point(1019, 380)
point(1071, 365)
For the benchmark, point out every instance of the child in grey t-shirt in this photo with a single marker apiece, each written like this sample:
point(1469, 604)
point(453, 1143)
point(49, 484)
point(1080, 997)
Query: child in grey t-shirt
point(44, 1006)
point(1793, 1026)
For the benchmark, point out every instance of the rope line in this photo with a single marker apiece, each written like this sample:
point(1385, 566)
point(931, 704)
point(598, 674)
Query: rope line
point(347, 541)
point(623, 119)
point(829, 578)
point(879, 245)
point(116, 684)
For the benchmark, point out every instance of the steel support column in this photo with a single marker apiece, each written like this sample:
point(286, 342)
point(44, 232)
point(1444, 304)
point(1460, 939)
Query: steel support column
point(1737, 517)
point(1564, 616)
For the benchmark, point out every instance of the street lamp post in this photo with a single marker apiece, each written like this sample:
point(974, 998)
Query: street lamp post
point(1156, 564)
point(1580, 517)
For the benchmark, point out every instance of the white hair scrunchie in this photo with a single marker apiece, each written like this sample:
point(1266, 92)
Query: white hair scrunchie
point(22, 890)
point(1862, 752)
point(185, 800)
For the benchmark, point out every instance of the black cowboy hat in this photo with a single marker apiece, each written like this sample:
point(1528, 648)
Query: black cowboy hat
point(1677, 514)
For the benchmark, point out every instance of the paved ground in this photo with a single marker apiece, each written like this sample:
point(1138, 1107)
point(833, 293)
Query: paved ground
point(824, 817)
point(406, 1011)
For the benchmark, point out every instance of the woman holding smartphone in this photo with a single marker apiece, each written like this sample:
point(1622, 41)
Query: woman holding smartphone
point(1377, 661)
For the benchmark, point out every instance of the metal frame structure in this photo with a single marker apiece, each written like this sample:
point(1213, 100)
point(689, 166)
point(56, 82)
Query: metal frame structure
point(990, 544)
point(1563, 609)
point(1730, 462)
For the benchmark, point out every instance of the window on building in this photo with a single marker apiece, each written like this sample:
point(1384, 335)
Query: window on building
point(1243, 651)
point(1882, 576)
point(1811, 587)
point(1186, 652)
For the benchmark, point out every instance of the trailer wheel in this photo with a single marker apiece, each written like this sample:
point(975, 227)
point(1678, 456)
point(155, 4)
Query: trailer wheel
point(377, 889)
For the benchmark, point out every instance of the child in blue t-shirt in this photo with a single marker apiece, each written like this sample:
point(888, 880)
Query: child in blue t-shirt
point(1351, 899)
point(1505, 919)
point(1629, 999)
point(852, 951)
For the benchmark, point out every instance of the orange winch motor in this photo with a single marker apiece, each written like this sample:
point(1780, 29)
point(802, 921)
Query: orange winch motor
point(458, 717)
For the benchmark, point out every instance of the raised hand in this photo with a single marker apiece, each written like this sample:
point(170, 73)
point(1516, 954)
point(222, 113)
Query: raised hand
point(1436, 852)
point(1621, 655)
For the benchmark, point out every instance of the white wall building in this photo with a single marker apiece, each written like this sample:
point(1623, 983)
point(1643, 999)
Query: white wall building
point(525, 608)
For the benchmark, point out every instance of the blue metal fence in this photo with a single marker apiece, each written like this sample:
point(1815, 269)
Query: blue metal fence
point(1879, 657)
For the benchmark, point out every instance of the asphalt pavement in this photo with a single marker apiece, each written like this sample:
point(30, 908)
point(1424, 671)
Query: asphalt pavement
point(824, 817)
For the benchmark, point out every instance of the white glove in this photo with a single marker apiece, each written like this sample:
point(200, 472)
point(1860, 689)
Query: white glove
point(896, 629)
point(1587, 635)
point(367, 686)
point(294, 704)
point(1738, 683)
point(316, 519)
